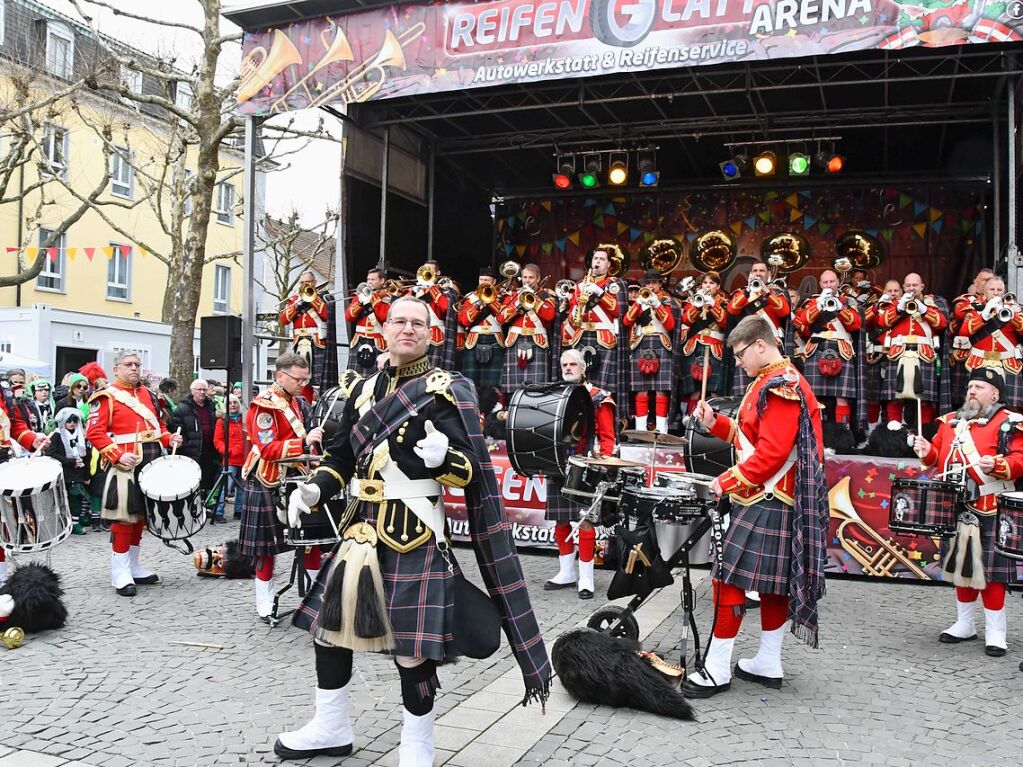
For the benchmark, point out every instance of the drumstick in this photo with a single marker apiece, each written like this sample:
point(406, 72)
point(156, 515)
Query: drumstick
point(706, 363)
point(174, 450)
point(919, 417)
point(197, 644)
point(48, 436)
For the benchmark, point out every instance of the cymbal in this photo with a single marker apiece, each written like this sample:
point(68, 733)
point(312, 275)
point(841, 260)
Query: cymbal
point(300, 459)
point(653, 438)
point(611, 460)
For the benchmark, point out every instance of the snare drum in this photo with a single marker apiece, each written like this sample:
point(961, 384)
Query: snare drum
point(174, 510)
point(1009, 525)
point(706, 454)
point(545, 425)
point(662, 504)
point(34, 510)
point(687, 485)
point(585, 474)
point(924, 507)
point(320, 527)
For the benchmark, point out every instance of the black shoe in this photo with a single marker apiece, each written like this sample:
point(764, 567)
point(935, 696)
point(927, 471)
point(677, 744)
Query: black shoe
point(994, 652)
point(773, 682)
point(266, 620)
point(289, 753)
point(552, 586)
point(585, 594)
point(148, 580)
point(751, 604)
point(691, 690)
point(128, 591)
point(947, 638)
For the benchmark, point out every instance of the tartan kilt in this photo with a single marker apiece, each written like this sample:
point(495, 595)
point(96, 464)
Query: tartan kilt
point(928, 381)
point(536, 370)
point(872, 381)
point(958, 380)
point(661, 380)
point(757, 547)
point(560, 507)
point(997, 568)
point(845, 384)
point(261, 533)
point(419, 593)
point(716, 383)
point(1013, 394)
point(482, 375)
point(604, 372)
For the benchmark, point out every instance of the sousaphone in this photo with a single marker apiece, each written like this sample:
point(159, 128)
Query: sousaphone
point(713, 251)
point(862, 250)
point(793, 248)
point(663, 255)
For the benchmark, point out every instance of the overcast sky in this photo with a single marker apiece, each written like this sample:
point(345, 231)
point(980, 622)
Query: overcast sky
point(309, 181)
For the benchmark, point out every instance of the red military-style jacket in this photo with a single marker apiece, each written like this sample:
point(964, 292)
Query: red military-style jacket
point(122, 419)
point(661, 324)
point(479, 319)
point(705, 326)
point(13, 427)
point(604, 408)
point(775, 307)
point(312, 322)
point(369, 318)
point(534, 323)
point(276, 429)
point(1000, 347)
point(439, 304)
point(837, 329)
point(766, 446)
point(600, 315)
point(961, 306)
point(916, 329)
point(964, 443)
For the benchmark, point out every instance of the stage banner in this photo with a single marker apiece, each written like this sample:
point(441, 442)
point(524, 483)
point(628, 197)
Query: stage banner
point(859, 541)
point(410, 49)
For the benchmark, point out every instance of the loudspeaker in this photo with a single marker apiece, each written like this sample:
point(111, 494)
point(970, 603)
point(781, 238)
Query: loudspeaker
point(220, 342)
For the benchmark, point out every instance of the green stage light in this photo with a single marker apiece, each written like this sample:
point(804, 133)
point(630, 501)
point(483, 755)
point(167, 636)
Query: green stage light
point(799, 164)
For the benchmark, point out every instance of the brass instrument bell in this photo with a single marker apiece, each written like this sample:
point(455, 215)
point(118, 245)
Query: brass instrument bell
point(528, 300)
point(663, 255)
point(864, 251)
point(13, 638)
point(793, 248)
point(713, 251)
point(260, 67)
point(426, 275)
point(563, 289)
point(487, 294)
point(308, 292)
point(619, 258)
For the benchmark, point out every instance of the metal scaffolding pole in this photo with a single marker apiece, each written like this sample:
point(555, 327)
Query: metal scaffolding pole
point(1014, 264)
point(249, 259)
point(431, 175)
point(382, 258)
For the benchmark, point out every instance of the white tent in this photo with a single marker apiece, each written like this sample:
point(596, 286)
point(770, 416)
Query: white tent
point(29, 365)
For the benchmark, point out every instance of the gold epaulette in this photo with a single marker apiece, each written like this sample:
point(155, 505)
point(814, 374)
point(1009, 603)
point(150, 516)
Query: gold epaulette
point(348, 381)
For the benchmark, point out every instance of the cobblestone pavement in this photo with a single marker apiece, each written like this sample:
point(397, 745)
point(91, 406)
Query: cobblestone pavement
point(110, 689)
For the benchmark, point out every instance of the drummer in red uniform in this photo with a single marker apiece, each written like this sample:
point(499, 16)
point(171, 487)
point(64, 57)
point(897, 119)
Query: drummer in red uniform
point(126, 428)
point(979, 446)
point(14, 429)
point(275, 424)
point(776, 542)
point(563, 510)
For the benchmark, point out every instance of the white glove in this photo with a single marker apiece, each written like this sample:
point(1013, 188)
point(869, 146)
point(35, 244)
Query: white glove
point(903, 301)
point(365, 299)
point(433, 448)
point(6, 605)
point(990, 308)
point(301, 500)
point(688, 283)
point(654, 302)
point(593, 289)
point(820, 302)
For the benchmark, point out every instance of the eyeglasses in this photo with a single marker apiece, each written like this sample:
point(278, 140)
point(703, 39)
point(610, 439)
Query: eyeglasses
point(302, 381)
point(738, 354)
point(400, 323)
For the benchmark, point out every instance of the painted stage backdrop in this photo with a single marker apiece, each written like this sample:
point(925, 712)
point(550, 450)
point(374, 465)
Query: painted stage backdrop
point(860, 542)
point(933, 229)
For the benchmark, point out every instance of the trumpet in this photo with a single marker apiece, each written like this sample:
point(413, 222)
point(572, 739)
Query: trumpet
point(260, 67)
point(528, 300)
point(337, 50)
point(563, 289)
point(364, 291)
point(879, 556)
point(1005, 313)
point(701, 300)
point(756, 285)
point(647, 296)
point(831, 304)
point(308, 293)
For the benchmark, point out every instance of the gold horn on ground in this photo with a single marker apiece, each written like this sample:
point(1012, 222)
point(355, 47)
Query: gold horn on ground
point(259, 68)
point(713, 251)
point(877, 555)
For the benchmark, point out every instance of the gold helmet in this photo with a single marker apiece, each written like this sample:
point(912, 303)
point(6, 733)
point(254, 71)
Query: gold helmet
point(864, 251)
point(713, 251)
point(663, 255)
point(793, 249)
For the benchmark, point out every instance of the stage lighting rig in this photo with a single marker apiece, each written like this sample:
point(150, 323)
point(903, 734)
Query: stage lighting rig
point(765, 163)
point(564, 167)
point(618, 168)
point(799, 164)
point(734, 167)
point(646, 164)
point(590, 177)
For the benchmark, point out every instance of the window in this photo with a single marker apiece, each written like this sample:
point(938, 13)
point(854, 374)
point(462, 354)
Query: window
point(121, 176)
point(60, 49)
point(183, 96)
point(132, 79)
point(142, 352)
point(52, 275)
point(3, 23)
point(55, 150)
point(119, 273)
point(224, 205)
point(221, 289)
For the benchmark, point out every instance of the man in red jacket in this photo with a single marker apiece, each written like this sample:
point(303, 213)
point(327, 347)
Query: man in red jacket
point(308, 314)
point(14, 429)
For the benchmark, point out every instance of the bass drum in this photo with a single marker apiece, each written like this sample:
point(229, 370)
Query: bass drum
point(546, 422)
point(706, 454)
point(327, 412)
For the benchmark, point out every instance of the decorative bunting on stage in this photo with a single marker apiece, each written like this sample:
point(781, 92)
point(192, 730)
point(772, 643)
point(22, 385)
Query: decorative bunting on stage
point(599, 220)
point(936, 214)
point(920, 229)
point(574, 238)
point(736, 227)
point(823, 227)
point(919, 207)
point(610, 209)
point(795, 215)
point(792, 199)
point(622, 228)
point(547, 247)
point(936, 226)
point(904, 200)
point(634, 234)
point(546, 205)
point(560, 244)
point(751, 222)
point(808, 222)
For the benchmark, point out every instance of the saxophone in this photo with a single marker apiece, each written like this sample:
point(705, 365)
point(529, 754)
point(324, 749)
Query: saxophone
point(582, 302)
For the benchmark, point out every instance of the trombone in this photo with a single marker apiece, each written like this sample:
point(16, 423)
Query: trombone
point(338, 50)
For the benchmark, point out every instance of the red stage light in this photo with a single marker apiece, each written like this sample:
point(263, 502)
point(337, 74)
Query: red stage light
point(835, 163)
point(561, 181)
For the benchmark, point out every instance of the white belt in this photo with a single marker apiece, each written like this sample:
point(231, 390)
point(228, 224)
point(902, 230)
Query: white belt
point(711, 334)
point(913, 339)
point(994, 355)
point(130, 439)
point(746, 452)
point(961, 342)
point(997, 486)
point(393, 489)
point(835, 334)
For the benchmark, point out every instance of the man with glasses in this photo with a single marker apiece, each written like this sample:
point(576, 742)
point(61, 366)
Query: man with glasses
point(126, 428)
point(405, 434)
point(275, 424)
point(776, 542)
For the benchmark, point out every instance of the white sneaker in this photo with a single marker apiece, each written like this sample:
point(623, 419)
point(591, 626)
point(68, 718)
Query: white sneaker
point(963, 630)
point(329, 733)
point(717, 676)
point(566, 575)
point(765, 667)
point(416, 747)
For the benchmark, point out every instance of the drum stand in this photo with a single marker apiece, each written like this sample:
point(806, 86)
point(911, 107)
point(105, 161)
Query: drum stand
point(298, 573)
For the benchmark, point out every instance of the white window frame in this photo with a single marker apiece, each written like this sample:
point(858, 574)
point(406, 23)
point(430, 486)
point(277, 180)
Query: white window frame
point(131, 78)
point(122, 175)
point(221, 289)
point(115, 284)
point(3, 25)
point(53, 271)
point(224, 209)
point(60, 31)
point(183, 95)
point(50, 165)
point(144, 352)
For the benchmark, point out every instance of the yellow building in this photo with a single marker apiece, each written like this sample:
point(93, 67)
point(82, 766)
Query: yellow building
point(97, 269)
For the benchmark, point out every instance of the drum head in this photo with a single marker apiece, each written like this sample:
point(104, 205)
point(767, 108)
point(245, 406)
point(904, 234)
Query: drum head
point(25, 476)
point(545, 426)
point(328, 410)
point(170, 478)
point(705, 454)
